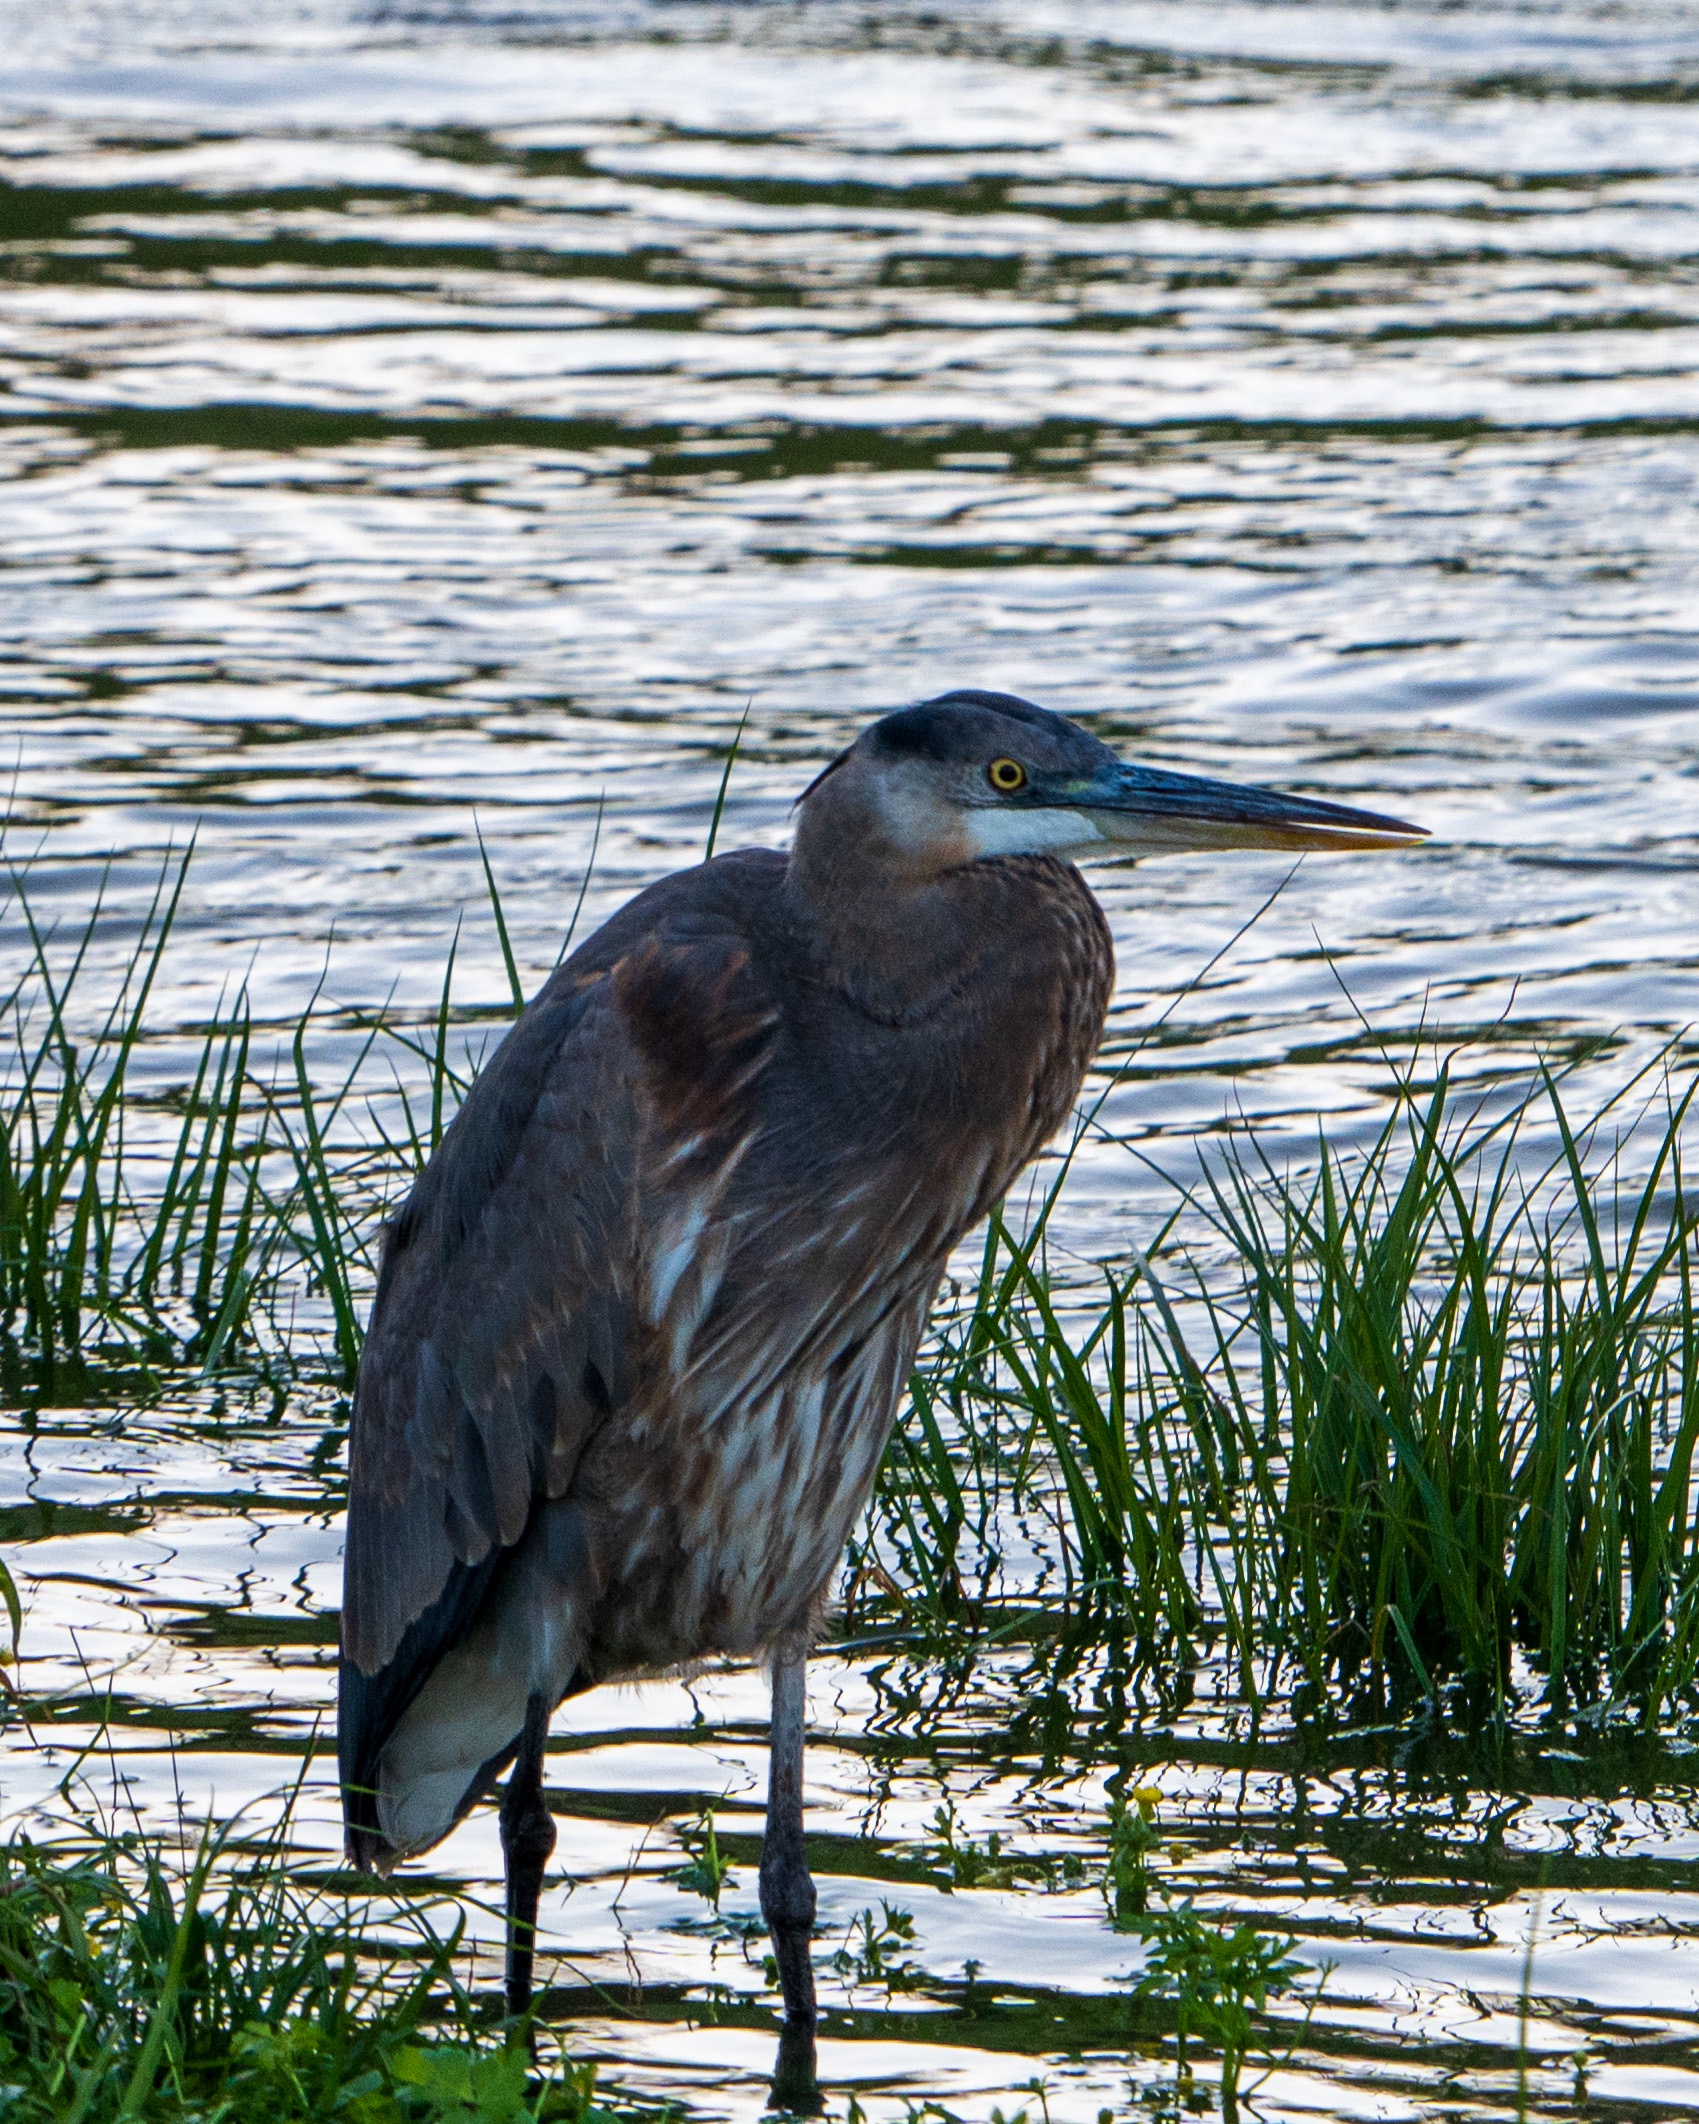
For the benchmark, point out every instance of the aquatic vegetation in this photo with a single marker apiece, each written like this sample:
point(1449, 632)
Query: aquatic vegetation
point(962, 1862)
point(1218, 1978)
point(708, 1872)
point(1134, 1839)
point(1439, 1411)
point(1219, 1982)
point(1484, 1380)
point(214, 1985)
point(877, 1953)
point(89, 1247)
point(182, 1226)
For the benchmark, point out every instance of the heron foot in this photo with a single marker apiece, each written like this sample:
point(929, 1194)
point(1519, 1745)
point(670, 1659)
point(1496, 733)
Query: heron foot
point(527, 1840)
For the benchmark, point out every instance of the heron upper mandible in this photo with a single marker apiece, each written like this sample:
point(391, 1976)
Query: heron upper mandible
point(643, 1324)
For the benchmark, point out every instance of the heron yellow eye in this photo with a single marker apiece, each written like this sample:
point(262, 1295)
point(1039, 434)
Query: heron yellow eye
point(1006, 775)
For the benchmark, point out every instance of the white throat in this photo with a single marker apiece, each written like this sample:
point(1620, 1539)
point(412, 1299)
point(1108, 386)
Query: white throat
point(995, 831)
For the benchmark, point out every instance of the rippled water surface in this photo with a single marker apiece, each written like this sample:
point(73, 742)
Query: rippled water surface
point(417, 415)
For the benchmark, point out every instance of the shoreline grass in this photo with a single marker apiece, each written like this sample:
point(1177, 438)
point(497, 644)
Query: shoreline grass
point(224, 1981)
point(1437, 1423)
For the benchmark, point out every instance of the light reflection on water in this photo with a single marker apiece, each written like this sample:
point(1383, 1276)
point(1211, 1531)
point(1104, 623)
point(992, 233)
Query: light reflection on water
point(407, 417)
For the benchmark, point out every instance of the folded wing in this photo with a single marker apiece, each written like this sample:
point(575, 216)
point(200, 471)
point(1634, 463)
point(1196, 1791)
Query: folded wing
point(543, 1268)
point(499, 1341)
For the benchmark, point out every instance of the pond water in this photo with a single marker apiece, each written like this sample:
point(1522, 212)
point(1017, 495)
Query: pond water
point(413, 416)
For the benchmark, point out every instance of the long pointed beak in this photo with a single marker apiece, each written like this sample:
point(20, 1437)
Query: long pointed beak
point(1147, 811)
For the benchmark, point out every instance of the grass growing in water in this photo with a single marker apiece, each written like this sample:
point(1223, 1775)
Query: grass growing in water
point(184, 1226)
point(214, 1987)
point(1442, 1410)
point(1483, 1385)
point(81, 1247)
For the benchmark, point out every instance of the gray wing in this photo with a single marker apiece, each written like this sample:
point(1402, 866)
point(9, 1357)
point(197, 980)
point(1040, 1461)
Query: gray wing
point(499, 1339)
point(507, 1323)
point(497, 1335)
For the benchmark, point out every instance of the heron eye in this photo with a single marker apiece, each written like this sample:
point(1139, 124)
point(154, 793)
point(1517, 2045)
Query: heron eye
point(1006, 775)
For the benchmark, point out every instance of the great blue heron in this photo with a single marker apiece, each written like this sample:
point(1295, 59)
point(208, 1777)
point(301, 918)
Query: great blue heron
point(643, 1323)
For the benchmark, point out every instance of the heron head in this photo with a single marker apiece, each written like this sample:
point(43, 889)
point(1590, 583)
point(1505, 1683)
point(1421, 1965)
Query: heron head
point(986, 774)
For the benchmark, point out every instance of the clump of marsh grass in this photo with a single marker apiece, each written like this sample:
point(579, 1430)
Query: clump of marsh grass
point(82, 1250)
point(1440, 1411)
point(215, 1986)
point(183, 1227)
point(1475, 1401)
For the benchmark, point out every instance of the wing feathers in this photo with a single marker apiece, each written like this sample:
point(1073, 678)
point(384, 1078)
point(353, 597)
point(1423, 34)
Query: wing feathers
point(507, 1326)
point(499, 1273)
point(369, 1706)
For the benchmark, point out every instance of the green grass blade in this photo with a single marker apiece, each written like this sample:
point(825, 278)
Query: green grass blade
point(725, 783)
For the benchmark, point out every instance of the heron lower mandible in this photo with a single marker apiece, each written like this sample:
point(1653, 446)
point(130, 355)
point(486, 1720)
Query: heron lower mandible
point(643, 1323)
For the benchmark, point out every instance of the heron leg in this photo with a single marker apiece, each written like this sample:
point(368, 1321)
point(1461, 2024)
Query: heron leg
point(787, 1893)
point(527, 1838)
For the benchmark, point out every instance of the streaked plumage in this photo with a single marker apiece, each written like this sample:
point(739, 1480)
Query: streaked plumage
point(642, 1325)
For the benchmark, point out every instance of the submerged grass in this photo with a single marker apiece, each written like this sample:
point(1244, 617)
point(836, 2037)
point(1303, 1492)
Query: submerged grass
point(1413, 1424)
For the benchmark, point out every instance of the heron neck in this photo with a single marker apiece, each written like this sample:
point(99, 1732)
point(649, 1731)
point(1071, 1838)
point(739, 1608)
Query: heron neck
point(894, 939)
